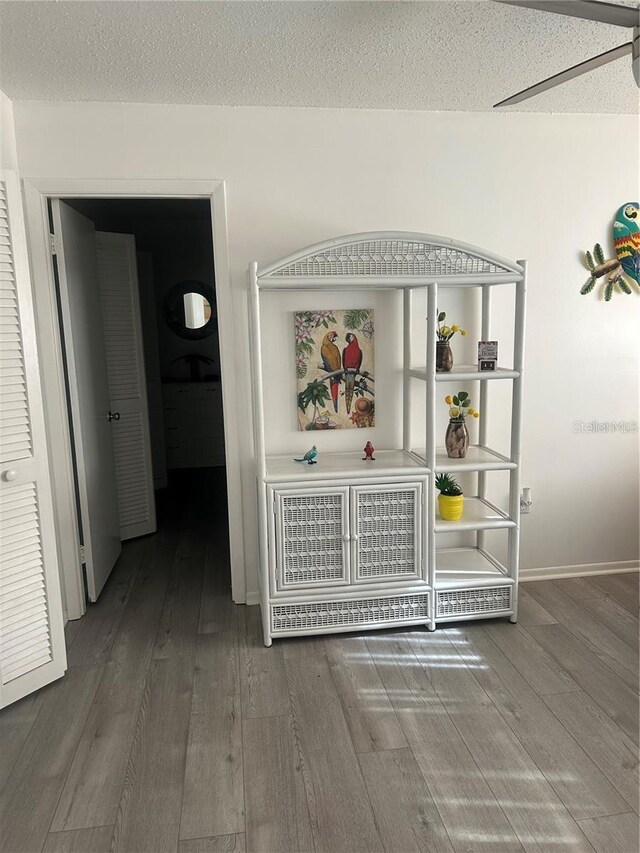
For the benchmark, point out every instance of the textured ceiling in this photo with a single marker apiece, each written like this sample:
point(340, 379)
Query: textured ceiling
point(369, 55)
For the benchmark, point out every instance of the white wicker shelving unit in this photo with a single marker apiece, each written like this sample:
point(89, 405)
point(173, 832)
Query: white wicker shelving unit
point(345, 545)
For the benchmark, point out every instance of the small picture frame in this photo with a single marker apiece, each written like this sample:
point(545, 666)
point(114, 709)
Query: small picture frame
point(487, 355)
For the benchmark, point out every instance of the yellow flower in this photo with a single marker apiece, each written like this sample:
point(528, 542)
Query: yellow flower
point(445, 330)
point(476, 414)
point(471, 411)
point(454, 412)
point(448, 399)
point(462, 332)
point(455, 328)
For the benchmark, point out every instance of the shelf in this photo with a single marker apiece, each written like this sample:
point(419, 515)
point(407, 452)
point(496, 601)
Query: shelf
point(388, 463)
point(478, 458)
point(478, 514)
point(458, 568)
point(466, 373)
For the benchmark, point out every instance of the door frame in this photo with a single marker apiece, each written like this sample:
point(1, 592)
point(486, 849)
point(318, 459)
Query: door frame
point(37, 191)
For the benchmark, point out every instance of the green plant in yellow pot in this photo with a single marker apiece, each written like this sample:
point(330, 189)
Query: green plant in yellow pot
point(450, 499)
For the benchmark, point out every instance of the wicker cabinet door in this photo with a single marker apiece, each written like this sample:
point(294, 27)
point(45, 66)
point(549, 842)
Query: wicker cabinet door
point(387, 532)
point(312, 538)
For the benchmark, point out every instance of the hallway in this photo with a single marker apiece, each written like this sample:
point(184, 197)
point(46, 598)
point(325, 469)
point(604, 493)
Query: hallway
point(174, 729)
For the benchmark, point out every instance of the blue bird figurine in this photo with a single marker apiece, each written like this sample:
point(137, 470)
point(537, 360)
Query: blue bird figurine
point(309, 457)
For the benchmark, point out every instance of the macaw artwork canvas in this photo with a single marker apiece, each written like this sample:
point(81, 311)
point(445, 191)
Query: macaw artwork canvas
point(335, 368)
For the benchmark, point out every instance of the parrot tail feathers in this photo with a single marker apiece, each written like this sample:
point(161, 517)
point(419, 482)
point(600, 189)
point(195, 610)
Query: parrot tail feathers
point(349, 386)
point(335, 386)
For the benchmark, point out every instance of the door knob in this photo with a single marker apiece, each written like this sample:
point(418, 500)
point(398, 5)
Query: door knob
point(9, 475)
point(114, 416)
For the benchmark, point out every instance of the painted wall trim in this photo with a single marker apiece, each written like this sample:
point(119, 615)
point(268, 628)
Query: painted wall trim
point(36, 191)
point(558, 572)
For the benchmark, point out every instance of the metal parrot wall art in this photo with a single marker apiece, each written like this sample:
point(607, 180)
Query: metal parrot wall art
point(626, 239)
point(618, 272)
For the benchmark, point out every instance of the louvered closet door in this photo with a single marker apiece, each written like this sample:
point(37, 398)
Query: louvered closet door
point(32, 651)
point(148, 321)
point(386, 532)
point(120, 300)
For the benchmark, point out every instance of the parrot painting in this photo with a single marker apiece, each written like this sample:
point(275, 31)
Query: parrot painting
point(626, 239)
point(309, 457)
point(351, 361)
point(331, 362)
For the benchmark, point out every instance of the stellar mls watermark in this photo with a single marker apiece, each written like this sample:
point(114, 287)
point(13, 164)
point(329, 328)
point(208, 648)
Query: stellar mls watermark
point(605, 426)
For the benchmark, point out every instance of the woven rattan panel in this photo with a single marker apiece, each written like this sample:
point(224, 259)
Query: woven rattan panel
point(312, 545)
point(386, 533)
point(362, 611)
point(467, 602)
point(388, 258)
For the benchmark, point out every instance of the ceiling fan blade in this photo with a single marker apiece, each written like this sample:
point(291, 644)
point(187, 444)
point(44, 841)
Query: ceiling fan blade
point(590, 10)
point(569, 74)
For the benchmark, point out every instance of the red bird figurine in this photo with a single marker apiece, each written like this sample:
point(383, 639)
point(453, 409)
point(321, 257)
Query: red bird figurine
point(368, 452)
point(351, 361)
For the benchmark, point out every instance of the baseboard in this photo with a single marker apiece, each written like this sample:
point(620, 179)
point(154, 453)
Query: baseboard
point(557, 572)
point(252, 598)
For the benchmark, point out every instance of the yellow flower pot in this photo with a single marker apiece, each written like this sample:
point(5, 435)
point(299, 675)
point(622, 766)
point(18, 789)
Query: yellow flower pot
point(451, 507)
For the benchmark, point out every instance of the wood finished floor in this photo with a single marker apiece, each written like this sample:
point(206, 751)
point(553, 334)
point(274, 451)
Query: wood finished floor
point(175, 730)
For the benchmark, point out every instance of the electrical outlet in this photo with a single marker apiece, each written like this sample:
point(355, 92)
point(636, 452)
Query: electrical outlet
point(526, 501)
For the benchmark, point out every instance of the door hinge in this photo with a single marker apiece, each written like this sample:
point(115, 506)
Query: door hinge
point(52, 244)
point(82, 556)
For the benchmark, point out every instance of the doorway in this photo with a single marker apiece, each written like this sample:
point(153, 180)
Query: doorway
point(139, 324)
point(88, 196)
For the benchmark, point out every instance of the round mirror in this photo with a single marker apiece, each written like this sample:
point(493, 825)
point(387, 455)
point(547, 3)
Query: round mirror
point(197, 310)
point(189, 310)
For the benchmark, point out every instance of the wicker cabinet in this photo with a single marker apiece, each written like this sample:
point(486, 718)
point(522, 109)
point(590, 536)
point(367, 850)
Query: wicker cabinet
point(387, 532)
point(347, 544)
point(311, 538)
point(344, 535)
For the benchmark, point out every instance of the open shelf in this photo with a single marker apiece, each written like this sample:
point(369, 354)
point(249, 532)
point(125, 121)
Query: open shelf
point(478, 458)
point(388, 463)
point(458, 568)
point(478, 514)
point(467, 373)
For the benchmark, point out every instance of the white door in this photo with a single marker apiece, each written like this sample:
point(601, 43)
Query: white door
point(75, 243)
point(120, 300)
point(152, 367)
point(32, 650)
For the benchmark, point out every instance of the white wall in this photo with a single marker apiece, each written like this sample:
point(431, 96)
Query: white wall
point(8, 154)
point(541, 187)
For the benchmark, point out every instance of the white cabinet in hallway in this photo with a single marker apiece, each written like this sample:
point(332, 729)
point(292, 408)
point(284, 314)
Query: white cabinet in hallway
point(194, 431)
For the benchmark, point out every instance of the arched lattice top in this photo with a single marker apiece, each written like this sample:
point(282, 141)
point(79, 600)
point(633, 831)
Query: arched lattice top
point(391, 255)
